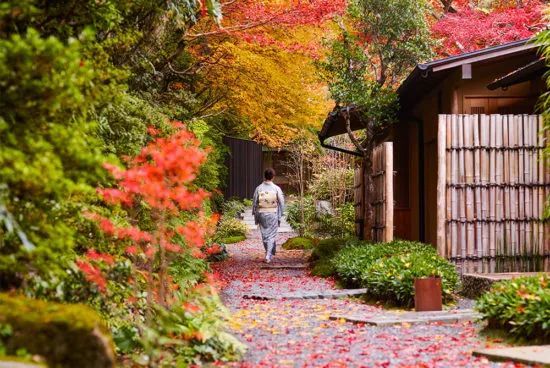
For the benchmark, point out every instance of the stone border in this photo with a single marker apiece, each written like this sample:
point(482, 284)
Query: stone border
point(391, 318)
point(531, 355)
point(333, 294)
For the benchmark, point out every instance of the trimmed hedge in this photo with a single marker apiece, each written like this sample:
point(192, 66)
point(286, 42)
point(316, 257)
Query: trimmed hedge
point(66, 335)
point(299, 243)
point(388, 270)
point(520, 306)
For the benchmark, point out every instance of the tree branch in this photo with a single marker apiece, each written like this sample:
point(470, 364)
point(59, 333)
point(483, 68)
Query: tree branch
point(352, 136)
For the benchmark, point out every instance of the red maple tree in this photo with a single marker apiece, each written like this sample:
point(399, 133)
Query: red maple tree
point(161, 179)
point(469, 28)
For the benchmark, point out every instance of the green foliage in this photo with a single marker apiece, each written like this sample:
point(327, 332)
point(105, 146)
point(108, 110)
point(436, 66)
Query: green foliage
point(323, 185)
point(229, 227)
point(402, 40)
point(341, 224)
point(299, 243)
point(232, 239)
point(66, 335)
point(388, 270)
point(520, 306)
point(543, 39)
point(323, 254)
point(49, 158)
point(233, 208)
point(294, 216)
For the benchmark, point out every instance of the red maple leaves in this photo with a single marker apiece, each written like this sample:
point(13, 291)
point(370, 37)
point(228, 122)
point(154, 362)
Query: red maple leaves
point(471, 29)
point(160, 178)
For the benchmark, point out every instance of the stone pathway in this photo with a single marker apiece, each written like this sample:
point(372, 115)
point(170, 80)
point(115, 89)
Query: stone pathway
point(301, 333)
point(248, 220)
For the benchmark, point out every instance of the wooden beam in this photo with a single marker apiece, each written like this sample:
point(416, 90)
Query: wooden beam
point(388, 148)
point(441, 183)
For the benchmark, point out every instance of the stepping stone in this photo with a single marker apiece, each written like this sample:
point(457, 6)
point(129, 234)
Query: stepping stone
point(391, 318)
point(8, 364)
point(476, 284)
point(284, 267)
point(332, 294)
point(531, 355)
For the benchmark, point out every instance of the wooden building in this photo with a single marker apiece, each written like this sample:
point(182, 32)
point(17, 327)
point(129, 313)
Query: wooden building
point(467, 159)
point(246, 161)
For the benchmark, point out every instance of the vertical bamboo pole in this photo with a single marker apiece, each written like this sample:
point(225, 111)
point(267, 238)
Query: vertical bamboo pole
point(542, 228)
point(506, 179)
point(448, 190)
point(441, 183)
point(528, 212)
point(454, 180)
point(469, 166)
point(480, 252)
point(492, 200)
point(484, 166)
point(389, 190)
point(513, 198)
point(520, 180)
point(461, 191)
point(500, 230)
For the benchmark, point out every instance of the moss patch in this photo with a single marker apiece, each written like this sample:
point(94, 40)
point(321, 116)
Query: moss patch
point(299, 243)
point(66, 335)
point(322, 256)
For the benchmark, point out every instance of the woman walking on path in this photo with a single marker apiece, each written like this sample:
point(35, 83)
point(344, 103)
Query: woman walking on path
point(267, 207)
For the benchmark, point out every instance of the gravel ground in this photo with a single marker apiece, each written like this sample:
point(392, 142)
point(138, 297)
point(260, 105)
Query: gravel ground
point(298, 333)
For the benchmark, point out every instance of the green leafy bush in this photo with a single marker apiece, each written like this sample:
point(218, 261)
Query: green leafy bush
point(230, 227)
point(521, 306)
point(67, 335)
point(299, 243)
point(388, 270)
point(305, 227)
point(340, 224)
point(233, 208)
point(322, 255)
point(333, 184)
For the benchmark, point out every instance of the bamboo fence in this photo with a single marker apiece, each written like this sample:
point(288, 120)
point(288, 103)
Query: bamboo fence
point(382, 201)
point(492, 186)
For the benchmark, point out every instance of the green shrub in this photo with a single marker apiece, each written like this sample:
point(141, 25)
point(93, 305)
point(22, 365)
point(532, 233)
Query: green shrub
point(232, 208)
point(66, 335)
point(299, 243)
point(294, 216)
point(232, 239)
point(388, 270)
point(521, 306)
point(229, 227)
point(322, 256)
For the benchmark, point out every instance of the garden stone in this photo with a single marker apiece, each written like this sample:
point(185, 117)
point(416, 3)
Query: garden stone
point(392, 318)
point(476, 284)
point(531, 355)
point(324, 208)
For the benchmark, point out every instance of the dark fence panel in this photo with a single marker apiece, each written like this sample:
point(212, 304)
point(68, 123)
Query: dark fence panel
point(244, 164)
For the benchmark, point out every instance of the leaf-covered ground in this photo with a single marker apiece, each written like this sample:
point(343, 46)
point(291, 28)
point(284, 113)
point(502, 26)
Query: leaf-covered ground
point(298, 333)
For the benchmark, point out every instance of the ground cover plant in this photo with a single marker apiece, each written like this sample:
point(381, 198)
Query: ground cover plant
point(299, 243)
point(388, 270)
point(323, 254)
point(520, 307)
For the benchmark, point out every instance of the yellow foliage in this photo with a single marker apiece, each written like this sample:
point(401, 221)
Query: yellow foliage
point(276, 91)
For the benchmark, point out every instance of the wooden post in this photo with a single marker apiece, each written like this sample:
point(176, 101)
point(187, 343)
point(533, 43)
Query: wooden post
point(441, 184)
point(388, 157)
